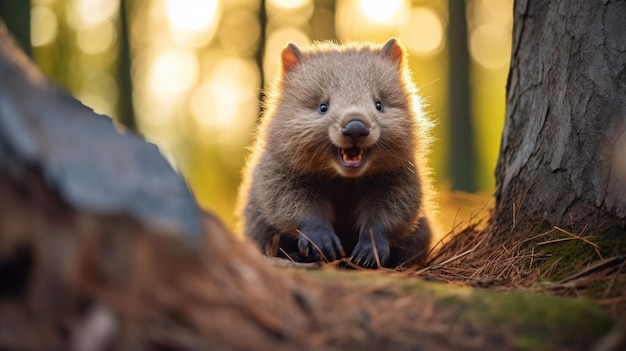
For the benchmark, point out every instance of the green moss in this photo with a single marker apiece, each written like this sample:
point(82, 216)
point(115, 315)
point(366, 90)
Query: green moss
point(596, 288)
point(526, 319)
point(533, 321)
point(528, 343)
point(567, 255)
point(541, 227)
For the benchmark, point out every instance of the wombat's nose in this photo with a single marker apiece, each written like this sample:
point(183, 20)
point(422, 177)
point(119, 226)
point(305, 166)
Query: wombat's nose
point(355, 130)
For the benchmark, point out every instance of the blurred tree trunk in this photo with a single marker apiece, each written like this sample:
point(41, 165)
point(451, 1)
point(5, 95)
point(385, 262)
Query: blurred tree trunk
point(563, 151)
point(16, 16)
point(260, 53)
point(127, 111)
point(323, 20)
point(462, 157)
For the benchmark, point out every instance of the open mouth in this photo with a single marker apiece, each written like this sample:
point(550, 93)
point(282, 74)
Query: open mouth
point(352, 157)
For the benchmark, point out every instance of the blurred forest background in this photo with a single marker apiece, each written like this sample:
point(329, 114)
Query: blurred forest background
point(187, 74)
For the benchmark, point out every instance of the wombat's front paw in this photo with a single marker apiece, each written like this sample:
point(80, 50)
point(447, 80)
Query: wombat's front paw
point(319, 246)
point(366, 251)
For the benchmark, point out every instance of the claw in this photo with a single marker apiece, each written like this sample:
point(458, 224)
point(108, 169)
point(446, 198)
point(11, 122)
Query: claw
point(319, 246)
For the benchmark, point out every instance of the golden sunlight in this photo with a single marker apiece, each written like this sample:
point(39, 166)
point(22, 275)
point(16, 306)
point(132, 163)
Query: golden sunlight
point(489, 45)
point(382, 11)
point(490, 32)
point(370, 20)
point(423, 32)
point(240, 32)
point(288, 4)
point(192, 15)
point(89, 13)
point(44, 26)
point(220, 103)
point(173, 72)
point(97, 39)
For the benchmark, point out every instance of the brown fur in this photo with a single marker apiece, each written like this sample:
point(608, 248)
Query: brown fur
point(301, 199)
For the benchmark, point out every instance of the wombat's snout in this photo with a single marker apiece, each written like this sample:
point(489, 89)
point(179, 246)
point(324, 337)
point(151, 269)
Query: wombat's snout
point(355, 130)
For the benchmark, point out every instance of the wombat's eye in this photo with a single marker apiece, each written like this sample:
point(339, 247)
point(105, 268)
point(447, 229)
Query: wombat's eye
point(379, 106)
point(323, 108)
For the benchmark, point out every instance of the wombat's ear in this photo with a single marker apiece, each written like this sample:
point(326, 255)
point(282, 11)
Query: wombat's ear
point(290, 57)
point(394, 51)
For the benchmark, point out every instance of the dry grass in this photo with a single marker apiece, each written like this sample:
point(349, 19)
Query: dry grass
point(475, 253)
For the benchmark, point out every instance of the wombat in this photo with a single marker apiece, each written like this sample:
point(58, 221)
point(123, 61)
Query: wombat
point(338, 165)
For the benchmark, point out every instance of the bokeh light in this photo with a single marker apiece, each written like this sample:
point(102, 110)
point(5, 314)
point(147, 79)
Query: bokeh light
point(423, 32)
point(382, 12)
point(97, 39)
point(485, 46)
point(288, 13)
point(44, 26)
point(193, 22)
point(173, 72)
point(239, 33)
point(490, 24)
point(90, 13)
point(288, 4)
point(221, 103)
point(192, 15)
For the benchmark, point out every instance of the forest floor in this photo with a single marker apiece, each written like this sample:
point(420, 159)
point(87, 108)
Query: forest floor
point(545, 289)
point(75, 278)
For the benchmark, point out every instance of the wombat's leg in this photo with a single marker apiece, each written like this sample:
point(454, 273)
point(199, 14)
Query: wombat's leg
point(262, 234)
point(317, 240)
point(288, 248)
point(386, 212)
point(414, 248)
point(372, 248)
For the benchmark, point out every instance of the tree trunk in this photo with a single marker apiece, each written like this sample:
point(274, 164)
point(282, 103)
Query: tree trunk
point(462, 159)
point(127, 109)
point(563, 151)
point(16, 15)
point(260, 51)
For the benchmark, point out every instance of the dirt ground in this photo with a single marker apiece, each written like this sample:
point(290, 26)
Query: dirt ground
point(539, 287)
point(453, 305)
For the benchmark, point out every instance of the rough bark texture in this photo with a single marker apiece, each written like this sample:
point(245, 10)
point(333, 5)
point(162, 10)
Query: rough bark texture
point(563, 151)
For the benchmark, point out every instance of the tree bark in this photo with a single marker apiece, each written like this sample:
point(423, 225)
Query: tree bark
point(563, 151)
